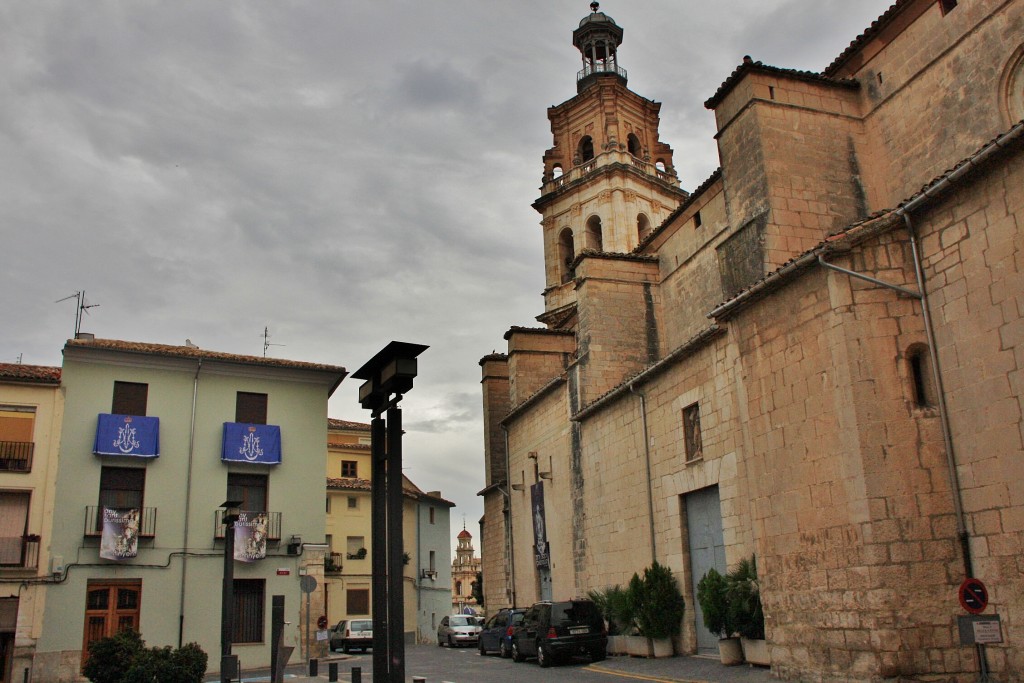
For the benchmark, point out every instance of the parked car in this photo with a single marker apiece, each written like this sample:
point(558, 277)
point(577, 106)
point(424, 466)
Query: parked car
point(553, 631)
point(496, 634)
point(352, 634)
point(458, 629)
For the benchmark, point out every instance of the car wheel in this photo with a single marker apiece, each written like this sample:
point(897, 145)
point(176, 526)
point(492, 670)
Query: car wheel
point(503, 650)
point(543, 656)
point(440, 643)
point(450, 643)
point(517, 656)
point(480, 646)
point(598, 654)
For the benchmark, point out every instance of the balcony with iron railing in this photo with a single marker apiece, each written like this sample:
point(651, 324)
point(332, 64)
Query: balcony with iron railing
point(608, 158)
point(16, 456)
point(19, 552)
point(273, 525)
point(333, 563)
point(94, 521)
point(593, 68)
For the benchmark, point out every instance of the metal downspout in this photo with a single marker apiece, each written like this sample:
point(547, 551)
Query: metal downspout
point(647, 462)
point(188, 493)
point(947, 437)
point(507, 514)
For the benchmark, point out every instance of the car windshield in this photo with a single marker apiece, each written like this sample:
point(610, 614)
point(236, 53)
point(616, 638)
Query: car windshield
point(461, 621)
point(575, 613)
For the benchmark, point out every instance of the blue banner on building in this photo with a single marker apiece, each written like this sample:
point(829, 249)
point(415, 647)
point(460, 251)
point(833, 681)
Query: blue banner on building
point(131, 435)
point(256, 444)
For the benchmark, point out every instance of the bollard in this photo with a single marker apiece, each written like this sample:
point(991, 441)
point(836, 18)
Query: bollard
point(419, 679)
point(332, 671)
point(357, 674)
point(314, 667)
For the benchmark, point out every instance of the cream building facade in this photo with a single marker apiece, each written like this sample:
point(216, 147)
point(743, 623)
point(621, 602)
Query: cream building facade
point(31, 409)
point(347, 566)
point(814, 358)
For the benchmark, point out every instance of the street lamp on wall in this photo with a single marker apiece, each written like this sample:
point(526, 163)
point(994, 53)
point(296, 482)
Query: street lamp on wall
point(228, 662)
point(389, 375)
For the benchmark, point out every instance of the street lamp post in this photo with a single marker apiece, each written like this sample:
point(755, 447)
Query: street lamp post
point(228, 662)
point(389, 375)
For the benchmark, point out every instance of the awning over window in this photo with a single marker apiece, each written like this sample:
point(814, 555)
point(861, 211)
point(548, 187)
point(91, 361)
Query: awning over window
point(256, 444)
point(130, 435)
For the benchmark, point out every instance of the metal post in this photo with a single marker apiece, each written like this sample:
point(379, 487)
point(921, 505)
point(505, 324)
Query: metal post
point(276, 635)
point(357, 674)
point(378, 534)
point(396, 618)
point(308, 653)
point(227, 612)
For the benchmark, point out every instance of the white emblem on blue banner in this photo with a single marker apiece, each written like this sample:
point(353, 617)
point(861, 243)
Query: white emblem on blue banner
point(126, 441)
point(251, 447)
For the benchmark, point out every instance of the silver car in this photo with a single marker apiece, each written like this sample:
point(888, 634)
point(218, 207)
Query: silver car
point(458, 630)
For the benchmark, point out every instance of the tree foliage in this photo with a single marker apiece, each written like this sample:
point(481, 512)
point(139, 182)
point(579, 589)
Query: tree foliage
point(124, 658)
point(657, 603)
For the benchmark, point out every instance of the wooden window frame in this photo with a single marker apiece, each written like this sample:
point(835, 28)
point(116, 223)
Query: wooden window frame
point(129, 398)
point(250, 608)
point(242, 485)
point(349, 469)
point(251, 408)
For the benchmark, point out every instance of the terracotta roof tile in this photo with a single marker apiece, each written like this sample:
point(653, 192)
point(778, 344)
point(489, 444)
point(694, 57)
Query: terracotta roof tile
point(346, 424)
point(29, 374)
point(172, 351)
point(750, 66)
point(870, 32)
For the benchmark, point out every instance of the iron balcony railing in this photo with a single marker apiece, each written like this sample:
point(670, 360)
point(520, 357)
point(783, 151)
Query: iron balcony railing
point(19, 552)
point(16, 456)
point(94, 521)
point(600, 68)
point(273, 525)
point(332, 563)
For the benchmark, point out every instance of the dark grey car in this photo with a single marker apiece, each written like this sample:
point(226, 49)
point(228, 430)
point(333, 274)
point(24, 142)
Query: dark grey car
point(553, 631)
point(496, 635)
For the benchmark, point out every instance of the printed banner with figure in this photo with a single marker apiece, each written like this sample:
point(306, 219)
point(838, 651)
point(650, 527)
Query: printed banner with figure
point(120, 539)
point(540, 533)
point(251, 536)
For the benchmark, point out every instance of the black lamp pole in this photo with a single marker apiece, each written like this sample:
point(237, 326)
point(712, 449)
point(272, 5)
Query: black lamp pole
point(228, 666)
point(389, 375)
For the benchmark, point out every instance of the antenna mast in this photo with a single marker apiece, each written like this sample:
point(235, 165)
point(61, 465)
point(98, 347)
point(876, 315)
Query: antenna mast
point(266, 341)
point(80, 308)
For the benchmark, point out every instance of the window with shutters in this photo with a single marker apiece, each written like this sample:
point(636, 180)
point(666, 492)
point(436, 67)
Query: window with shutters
point(121, 488)
point(249, 608)
point(17, 428)
point(251, 408)
point(110, 607)
point(13, 527)
point(357, 601)
point(349, 468)
point(249, 489)
point(130, 398)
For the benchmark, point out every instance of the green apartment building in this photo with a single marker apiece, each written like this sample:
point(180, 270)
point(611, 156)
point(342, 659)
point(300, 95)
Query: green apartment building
point(155, 438)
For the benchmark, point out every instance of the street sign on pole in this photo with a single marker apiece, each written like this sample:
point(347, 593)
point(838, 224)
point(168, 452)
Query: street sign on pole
point(973, 596)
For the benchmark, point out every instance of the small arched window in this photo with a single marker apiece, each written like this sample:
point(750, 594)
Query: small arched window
point(643, 227)
point(586, 149)
point(458, 588)
point(566, 254)
point(556, 172)
point(919, 370)
point(594, 237)
point(633, 143)
point(660, 165)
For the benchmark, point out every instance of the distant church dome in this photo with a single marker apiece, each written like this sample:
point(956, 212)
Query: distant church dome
point(464, 534)
point(596, 18)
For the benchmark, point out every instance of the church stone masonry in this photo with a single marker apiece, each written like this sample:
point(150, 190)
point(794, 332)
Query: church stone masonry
point(814, 358)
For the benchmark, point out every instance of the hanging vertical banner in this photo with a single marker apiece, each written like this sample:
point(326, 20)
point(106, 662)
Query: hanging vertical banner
point(540, 533)
point(251, 536)
point(120, 539)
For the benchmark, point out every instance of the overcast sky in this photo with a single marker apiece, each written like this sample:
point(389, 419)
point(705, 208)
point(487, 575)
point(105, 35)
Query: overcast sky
point(345, 173)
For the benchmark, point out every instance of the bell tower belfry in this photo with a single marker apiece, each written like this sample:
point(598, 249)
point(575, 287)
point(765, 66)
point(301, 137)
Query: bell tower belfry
point(608, 180)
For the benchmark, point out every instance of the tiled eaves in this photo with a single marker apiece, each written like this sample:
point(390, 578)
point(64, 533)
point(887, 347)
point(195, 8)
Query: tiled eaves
point(332, 423)
point(878, 223)
point(532, 400)
point(870, 32)
point(681, 209)
point(688, 348)
point(534, 330)
point(365, 485)
point(171, 351)
point(349, 446)
point(29, 374)
point(750, 66)
point(493, 357)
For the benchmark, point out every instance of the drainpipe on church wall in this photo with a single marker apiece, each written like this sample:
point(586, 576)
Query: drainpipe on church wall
point(647, 462)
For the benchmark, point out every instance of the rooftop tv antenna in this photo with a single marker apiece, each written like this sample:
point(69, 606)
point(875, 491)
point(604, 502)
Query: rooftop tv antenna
point(82, 307)
point(266, 341)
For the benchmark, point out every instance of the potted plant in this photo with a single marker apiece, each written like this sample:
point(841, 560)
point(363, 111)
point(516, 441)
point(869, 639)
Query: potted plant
point(713, 596)
point(658, 607)
point(615, 607)
point(747, 614)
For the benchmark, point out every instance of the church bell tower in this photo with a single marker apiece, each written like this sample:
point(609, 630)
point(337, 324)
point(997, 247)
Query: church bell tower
point(608, 180)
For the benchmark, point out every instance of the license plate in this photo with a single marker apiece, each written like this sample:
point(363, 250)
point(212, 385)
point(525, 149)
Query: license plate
point(577, 630)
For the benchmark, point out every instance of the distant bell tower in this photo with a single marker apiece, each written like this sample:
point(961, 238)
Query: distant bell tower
point(608, 180)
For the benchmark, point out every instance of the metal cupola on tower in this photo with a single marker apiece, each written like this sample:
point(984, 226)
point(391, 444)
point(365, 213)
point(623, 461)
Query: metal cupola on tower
point(598, 38)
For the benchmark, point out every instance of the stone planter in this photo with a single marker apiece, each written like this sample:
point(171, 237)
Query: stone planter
point(638, 646)
point(755, 651)
point(617, 645)
point(661, 647)
point(730, 651)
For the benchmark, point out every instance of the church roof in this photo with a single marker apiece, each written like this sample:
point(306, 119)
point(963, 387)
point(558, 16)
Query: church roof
point(464, 534)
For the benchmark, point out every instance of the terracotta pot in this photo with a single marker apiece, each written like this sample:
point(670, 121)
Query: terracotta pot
point(730, 651)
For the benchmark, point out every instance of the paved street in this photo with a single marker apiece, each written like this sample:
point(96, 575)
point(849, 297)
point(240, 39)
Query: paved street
point(465, 665)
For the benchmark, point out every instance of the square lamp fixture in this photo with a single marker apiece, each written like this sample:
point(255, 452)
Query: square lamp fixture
point(390, 371)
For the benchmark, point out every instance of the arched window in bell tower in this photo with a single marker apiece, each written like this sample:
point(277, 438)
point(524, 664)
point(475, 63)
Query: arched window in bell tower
point(585, 150)
point(660, 165)
point(594, 240)
point(556, 172)
point(643, 227)
point(634, 145)
point(566, 254)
